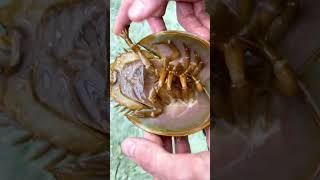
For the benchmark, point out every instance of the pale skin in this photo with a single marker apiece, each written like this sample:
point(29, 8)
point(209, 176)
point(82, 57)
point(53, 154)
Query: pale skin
point(154, 153)
point(190, 14)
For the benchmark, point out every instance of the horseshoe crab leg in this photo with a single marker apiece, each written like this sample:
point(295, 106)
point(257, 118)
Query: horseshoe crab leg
point(282, 70)
point(136, 49)
point(156, 106)
point(196, 71)
point(234, 59)
point(163, 72)
point(186, 60)
point(170, 77)
point(280, 25)
point(199, 63)
point(189, 67)
point(186, 63)
point(262, 18)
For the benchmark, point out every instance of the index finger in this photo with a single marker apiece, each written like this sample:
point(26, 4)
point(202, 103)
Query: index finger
point(122, 19)
point(188, 19)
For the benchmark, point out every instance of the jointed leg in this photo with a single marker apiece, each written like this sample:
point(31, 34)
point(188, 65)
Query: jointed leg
point(163, 72)
point(156, 106)
point(196, 71)
point(136, 49)
point(280, 24)
point(170, 77)
point(156, 111)
point(199, 64)
point(186, 59)
point(186, 63)
point(234, 59)
point(282, 70)
point(262, 17)
point(198, 83)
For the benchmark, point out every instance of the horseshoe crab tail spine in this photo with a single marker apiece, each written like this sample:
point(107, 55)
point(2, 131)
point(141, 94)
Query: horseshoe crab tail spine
point(122, 109)
point(128, 112)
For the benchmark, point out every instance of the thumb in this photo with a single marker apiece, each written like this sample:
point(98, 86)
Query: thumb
point(145, 153)
point(143, 9)
point(161, 164)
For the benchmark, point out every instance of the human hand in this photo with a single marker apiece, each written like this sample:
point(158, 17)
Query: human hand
point(151, 153)
point(190, 14)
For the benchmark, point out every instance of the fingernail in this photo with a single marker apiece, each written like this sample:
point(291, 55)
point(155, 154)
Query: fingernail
point(136, 10)
point(128, 147)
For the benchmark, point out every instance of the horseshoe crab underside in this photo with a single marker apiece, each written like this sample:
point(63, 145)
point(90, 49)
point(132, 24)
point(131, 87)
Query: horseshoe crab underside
point(53, 94)
point(289, 147)
point(182, 111)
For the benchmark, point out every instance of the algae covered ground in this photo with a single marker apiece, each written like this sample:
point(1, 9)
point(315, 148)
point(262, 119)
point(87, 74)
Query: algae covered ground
point(120, 128)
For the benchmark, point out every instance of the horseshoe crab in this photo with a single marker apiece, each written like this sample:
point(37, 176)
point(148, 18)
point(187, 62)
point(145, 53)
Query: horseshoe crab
point(163, 83)
point(266, 134)
point(53, 89)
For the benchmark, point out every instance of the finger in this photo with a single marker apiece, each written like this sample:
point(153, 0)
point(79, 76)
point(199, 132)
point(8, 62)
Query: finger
point(145, 153)
point(188, 166)
point(156, 21)
point(156, 24)
point(187, 18)
point(154, 138)
point(163, 165)
point(182, 145)
point(122, 19)
point(167, 143)
point(202, 15)
point(142, 9)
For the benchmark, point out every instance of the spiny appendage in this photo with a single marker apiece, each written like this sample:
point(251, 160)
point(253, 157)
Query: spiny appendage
point(122, 109)
point(154, 110)
point(113, 76)
point(146, 62)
